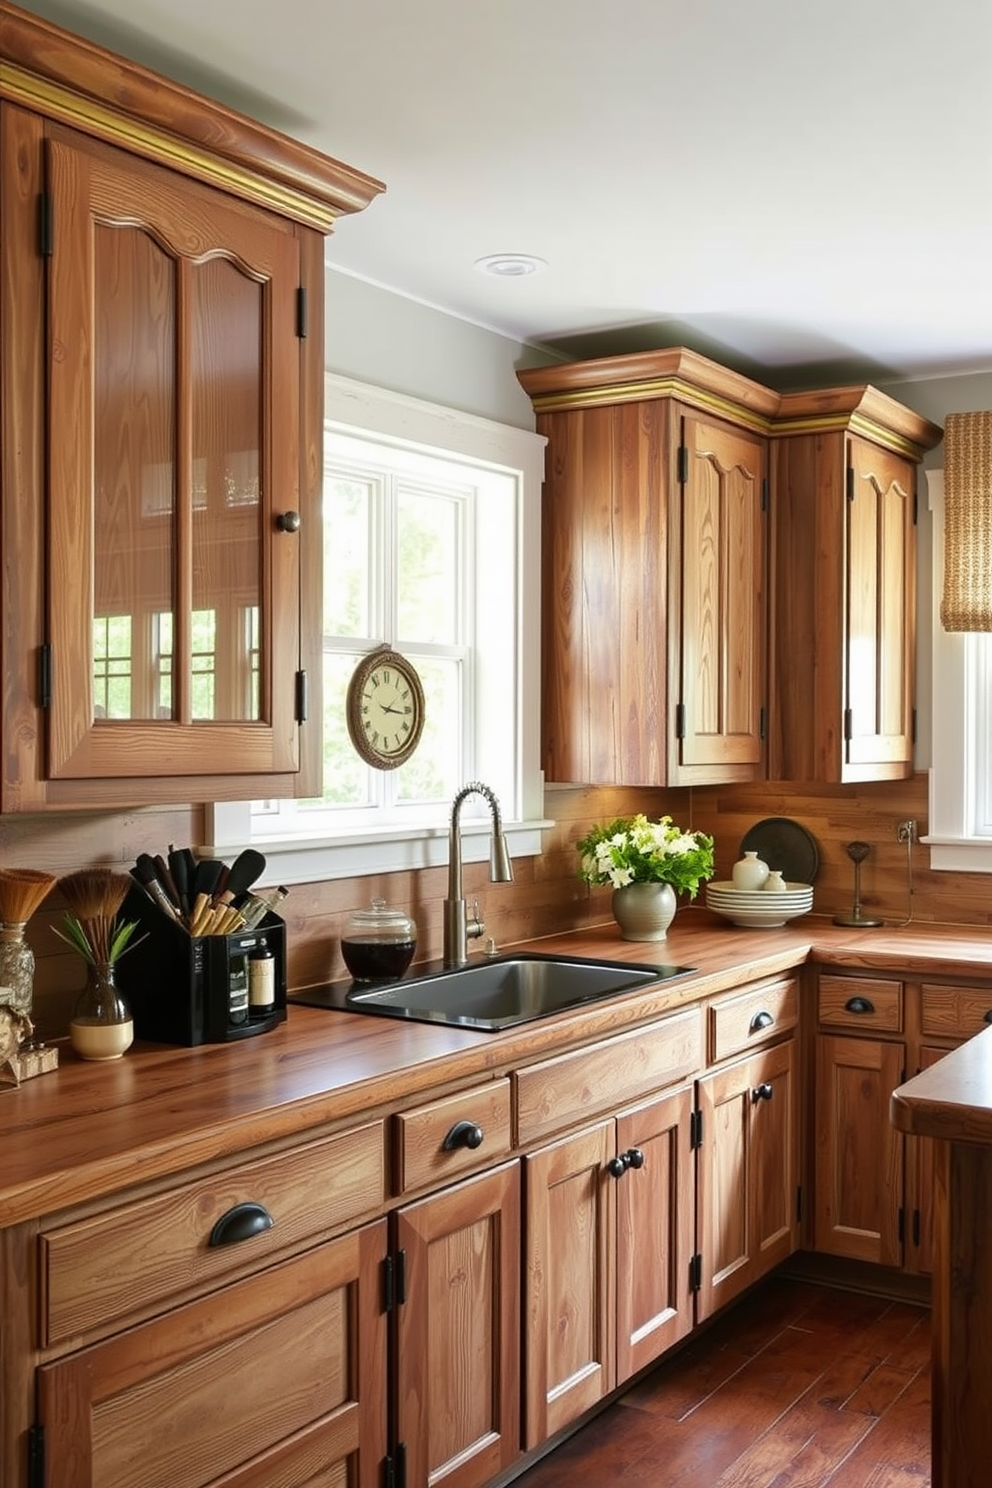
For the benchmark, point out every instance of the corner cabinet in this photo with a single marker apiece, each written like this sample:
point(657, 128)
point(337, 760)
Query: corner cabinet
point(162, 360)
point(844, 576)
point(660, 533)
point(654, 571)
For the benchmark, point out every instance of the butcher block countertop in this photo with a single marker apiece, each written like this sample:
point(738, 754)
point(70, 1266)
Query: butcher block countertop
point(89, 1130)
point(953, 1099)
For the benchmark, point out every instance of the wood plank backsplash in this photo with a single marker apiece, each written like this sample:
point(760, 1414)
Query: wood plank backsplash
point(546, 897)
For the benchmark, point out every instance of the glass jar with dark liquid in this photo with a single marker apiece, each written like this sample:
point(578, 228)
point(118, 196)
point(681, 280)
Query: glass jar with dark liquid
point(378, 943)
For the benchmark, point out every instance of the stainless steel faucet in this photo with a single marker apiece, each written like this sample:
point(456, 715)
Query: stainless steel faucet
point(458, 927)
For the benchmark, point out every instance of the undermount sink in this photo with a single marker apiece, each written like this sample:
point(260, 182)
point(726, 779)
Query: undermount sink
point(502, 991)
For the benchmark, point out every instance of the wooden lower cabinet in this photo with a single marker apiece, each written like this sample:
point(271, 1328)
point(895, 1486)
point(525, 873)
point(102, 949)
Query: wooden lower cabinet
point(748, 1173)
point(607, 1249)
point(458, 1332)
point(277, 1379)
point(859, 1154)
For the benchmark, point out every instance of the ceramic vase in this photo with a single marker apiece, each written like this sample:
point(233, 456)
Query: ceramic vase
point(644, 911)
point(750, 872)
point(101, 1026)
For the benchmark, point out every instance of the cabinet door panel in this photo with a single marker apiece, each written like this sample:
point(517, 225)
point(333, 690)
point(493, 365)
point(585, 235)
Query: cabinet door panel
point(859, 1154)
point(458, 1331)
point(569, 1305)
point(723, 595)
point(881, 547)
point(173, 608)
point(655, 1211)
point(157, 1406)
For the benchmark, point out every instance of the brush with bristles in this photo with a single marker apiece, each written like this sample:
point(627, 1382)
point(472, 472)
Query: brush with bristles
point(21, 892)
point(94, 895)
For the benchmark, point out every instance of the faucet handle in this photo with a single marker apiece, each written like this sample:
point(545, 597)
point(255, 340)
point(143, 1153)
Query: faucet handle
point(474, 927)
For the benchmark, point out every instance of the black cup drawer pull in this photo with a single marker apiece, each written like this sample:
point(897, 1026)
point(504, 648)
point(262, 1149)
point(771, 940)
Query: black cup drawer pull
point(463, 1134)
point(241, 1223)
point(987, 1017)
point(762, 1092)
point(859, 1005)
point(760, 1020)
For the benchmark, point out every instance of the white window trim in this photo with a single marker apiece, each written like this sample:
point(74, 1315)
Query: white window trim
point(357, 407)
point(953, 846)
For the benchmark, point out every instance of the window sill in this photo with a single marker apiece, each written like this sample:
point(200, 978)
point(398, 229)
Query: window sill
point(959, 854)
point(309, 860)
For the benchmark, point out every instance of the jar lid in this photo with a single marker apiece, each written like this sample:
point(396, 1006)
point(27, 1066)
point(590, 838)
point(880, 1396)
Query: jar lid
point(381, 922)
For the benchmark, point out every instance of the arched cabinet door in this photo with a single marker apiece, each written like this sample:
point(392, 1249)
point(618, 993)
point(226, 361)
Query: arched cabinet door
point(173, 357)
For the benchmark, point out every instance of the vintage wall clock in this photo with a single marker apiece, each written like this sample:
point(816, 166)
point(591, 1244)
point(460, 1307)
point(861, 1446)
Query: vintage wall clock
point(385, 708)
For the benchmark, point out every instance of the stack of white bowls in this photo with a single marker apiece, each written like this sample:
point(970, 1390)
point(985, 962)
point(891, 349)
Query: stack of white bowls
point(756, 899)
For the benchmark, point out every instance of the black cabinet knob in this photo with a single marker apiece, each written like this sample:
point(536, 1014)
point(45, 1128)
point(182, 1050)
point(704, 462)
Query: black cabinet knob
point(463, 1134)
point(289, 521)
point(632, 1158)
point(762, 1092)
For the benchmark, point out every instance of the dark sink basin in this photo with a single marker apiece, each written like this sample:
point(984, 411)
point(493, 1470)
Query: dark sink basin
point(502, 991)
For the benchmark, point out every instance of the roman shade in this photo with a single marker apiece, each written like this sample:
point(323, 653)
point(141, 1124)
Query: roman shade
point(966, 602)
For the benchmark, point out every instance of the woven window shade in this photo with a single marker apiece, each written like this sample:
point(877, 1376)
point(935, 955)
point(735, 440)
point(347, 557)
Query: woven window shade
point(966, 603)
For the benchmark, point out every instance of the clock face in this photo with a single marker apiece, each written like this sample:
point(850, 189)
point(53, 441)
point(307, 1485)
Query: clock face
point(385, 708)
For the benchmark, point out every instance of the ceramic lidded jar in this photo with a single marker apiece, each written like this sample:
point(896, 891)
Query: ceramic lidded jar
point(750, 872)
point(378, 943)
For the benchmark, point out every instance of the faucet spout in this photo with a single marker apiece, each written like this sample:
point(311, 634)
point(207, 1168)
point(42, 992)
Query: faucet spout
point(458, 927)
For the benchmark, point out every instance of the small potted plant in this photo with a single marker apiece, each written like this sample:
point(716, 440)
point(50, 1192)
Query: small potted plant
point(101, 1025)
point(647, 863)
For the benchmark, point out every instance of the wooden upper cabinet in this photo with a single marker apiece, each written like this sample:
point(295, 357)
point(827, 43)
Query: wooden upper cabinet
point(162, 369)
point(844, 580)
point(654, 570)
point(689, 637)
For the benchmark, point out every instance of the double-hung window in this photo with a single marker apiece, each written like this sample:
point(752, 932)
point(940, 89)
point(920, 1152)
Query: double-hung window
point(960, 827)
point(431, 545)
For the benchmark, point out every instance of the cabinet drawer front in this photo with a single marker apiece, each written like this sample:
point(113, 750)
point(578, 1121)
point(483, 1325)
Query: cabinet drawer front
point(138, 1257)
point(476, 1124)
point(860, 1002)
point(557, 1092)
point(751, 1018)
point(955, 1012)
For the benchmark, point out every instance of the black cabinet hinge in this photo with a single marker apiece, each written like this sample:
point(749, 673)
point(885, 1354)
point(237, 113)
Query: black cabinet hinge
point(799, 1204)
point(680, 720)
point(36, 1457)
point(762, 722)
point(912, 726)
point(45, 675)
point(902, 1225)
point(915, 506)
point(916, 1226)
point(848, 723)
point(394, 1281)
point(695, 1129)
point(695, 1272)
point(850, 482)
point(302, 697)
point(764, 493)
point(394, 1468)
point(46, 225)
point(302, 312)
point(683, 465)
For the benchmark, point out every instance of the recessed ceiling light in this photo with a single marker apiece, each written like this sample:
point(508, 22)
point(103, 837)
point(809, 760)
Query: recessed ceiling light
point(510, 265)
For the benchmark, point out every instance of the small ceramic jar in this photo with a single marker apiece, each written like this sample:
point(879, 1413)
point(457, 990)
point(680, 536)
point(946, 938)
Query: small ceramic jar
point(751, 872)
point(774, 883)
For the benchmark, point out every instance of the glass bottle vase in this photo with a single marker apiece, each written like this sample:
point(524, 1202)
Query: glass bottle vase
point(16, 969)
point(101, 1026)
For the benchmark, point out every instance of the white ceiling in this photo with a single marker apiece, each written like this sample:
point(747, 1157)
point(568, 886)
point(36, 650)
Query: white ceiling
point(797, 187)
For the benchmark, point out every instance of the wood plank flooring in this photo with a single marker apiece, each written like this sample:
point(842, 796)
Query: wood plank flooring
point(798, 1386)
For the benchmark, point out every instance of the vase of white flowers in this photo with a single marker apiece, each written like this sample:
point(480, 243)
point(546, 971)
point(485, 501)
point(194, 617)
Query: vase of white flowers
point(648, 864)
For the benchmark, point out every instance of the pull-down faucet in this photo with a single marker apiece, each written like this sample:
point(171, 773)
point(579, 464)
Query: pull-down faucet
point(458, 928)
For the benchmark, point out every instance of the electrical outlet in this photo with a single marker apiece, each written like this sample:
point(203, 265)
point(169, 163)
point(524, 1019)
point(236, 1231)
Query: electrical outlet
point(906, 831)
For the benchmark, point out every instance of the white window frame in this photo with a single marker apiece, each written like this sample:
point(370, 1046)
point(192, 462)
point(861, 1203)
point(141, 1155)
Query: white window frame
point(960, 787)
point(361, 409)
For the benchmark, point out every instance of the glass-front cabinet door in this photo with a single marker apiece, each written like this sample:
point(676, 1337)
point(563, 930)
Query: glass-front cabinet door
point(173, 358)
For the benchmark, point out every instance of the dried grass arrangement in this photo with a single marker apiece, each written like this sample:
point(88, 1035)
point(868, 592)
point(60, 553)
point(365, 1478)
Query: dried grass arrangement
point(94, 897)
point(21, 892)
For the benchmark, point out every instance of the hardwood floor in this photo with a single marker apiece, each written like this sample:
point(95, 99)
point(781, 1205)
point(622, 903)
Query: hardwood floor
point(799, 1386)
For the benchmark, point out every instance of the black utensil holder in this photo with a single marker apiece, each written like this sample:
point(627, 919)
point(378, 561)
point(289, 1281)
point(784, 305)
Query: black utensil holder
point(179, 985)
